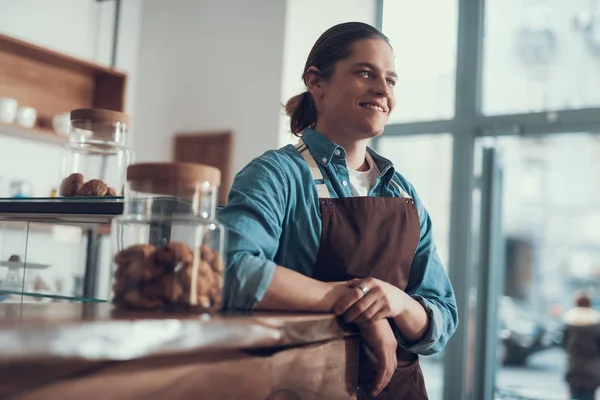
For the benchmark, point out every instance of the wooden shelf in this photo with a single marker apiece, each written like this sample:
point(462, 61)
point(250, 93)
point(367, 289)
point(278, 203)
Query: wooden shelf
point(38, 134)
point(54, 83)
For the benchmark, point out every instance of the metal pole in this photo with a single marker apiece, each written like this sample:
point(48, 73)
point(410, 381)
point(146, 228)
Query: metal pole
point(91, 264)
point(460, 271)
point(113, 59)
point(459, 357)
point(490, 276)
point(379, 15)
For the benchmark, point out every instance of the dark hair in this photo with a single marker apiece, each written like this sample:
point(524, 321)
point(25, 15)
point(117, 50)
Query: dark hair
point(332, 46)
point(583, 300)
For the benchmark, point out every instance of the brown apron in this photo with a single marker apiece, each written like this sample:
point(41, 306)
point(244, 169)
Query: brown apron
point(370, 237)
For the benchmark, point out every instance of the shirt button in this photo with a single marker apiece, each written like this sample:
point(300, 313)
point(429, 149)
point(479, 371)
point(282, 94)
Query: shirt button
point(345, 183)
point(337, 152)
point(324, 160)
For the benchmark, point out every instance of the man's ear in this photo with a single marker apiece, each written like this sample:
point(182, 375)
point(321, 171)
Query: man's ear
point(314, 82)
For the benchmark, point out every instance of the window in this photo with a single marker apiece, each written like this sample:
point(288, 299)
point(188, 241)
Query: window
point(423, 35)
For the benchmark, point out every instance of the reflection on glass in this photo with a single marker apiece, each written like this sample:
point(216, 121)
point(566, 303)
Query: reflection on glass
point(423, 34)
point(551, 231)
point(41, 263)
point(426, 161)
point(541, 55)
point(12, 248)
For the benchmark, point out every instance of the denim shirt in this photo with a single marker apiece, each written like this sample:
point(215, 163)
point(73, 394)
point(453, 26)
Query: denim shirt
point(273, 218)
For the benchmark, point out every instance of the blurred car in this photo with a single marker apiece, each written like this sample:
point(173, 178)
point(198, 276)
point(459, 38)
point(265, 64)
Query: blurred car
point(523, 333)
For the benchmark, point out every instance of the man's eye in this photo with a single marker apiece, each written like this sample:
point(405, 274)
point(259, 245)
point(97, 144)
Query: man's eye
point(366, 74)
point(391, 82)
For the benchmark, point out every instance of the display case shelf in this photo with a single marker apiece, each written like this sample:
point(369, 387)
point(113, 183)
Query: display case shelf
point(79, 299)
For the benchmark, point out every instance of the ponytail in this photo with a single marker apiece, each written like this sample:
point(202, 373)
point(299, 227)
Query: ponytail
point(302, 112)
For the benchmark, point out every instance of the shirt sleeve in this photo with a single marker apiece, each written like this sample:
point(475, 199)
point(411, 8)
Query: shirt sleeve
point(254, 218)
point(428, 284)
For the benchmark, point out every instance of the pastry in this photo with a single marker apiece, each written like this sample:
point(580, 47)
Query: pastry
point(71, 185)
point(94, 188)
point(163, 278)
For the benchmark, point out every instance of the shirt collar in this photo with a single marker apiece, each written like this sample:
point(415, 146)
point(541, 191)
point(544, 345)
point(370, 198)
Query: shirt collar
point(385, 166)
point(323, 150)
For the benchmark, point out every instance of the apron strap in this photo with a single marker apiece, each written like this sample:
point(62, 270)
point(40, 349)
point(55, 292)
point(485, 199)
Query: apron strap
point(314, 170)
point(318, 176)
point(402, 192)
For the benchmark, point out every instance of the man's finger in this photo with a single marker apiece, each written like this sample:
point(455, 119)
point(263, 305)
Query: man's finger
point(379, 378)
point(367, 314)
point(359, 308)
point(351, 297)
point(354, 281)
point(380, 314)
point(387, 369)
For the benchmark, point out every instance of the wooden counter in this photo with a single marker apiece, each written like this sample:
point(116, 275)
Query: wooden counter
point(90, 351)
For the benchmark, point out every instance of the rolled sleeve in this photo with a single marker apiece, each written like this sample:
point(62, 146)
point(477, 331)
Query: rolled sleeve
point(427, 345)
point(429, 285)
point(253, 217)
point(247, 281)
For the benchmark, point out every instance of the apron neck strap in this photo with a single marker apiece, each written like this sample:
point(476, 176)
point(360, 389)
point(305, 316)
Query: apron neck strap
point(402, 191)
point(314, 170)
point(318, 176)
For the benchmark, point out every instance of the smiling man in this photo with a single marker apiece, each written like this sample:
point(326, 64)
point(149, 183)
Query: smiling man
point(329, 225)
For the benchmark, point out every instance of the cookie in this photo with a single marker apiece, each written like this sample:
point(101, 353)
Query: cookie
point(174, 253)
point(93, 188)
point(71, 185)
point(162, 278)
point(134, 252)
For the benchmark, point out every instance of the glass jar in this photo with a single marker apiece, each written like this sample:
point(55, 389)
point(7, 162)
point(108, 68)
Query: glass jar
point(96, 156)
point(168, 246)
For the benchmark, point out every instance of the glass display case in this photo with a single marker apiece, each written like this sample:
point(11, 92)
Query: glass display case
point(56, 249)
point(60, 250)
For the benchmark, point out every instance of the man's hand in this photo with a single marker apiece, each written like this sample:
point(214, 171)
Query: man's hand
point(381, 301)
point(380, 339)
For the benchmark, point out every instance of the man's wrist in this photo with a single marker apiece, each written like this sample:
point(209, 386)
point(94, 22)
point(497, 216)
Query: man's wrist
point(403, 306)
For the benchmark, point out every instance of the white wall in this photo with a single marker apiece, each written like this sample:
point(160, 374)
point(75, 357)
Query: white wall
point(305, 21)
point(209, 65)
point(83, 29)
point(68, 26)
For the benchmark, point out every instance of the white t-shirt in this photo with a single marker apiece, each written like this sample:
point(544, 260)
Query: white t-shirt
point(362, 181)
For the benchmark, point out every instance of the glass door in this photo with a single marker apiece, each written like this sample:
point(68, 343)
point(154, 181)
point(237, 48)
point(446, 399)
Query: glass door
point(539, 243)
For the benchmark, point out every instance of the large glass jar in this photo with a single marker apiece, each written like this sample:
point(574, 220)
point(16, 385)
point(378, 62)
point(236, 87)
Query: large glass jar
point(169, 248)
point(96, 156)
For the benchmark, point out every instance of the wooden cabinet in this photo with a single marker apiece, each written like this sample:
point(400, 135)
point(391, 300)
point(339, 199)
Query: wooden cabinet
point(55, 83)
point(212, 149)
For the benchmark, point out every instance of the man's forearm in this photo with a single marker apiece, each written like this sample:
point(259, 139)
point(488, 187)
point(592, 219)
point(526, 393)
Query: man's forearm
point(413, 322)
point(292, 291)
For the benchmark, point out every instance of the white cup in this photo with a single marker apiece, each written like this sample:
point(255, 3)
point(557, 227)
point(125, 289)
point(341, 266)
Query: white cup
point(26, 116)
point(8, 110)
point(62, 123)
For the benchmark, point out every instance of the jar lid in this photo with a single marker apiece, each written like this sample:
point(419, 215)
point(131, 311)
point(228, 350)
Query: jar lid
point(176, 179)
point(100, 115)
point(100, 123)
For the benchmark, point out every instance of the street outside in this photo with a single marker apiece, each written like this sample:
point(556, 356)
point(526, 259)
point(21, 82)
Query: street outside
point(543, 375)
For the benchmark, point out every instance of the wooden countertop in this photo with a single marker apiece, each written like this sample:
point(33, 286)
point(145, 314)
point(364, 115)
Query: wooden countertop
point(98, 332)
